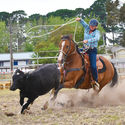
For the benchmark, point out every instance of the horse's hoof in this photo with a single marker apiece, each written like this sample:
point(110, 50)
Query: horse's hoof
point(45, 106)
point(96, 86)
point(28, 108)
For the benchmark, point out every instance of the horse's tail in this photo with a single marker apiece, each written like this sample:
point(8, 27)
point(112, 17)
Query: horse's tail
point(115, 77)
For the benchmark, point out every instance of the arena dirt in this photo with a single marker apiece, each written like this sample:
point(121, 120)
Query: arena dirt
point(72, 107)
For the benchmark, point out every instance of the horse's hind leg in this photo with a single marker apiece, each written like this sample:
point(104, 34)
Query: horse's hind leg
point(53, 96)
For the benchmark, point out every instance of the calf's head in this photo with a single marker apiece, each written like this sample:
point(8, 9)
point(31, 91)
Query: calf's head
point(18, 79)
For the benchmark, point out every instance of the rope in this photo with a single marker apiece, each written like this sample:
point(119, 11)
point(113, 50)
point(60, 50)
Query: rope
point(75, 33)
point(47, 25)
point(61, 25)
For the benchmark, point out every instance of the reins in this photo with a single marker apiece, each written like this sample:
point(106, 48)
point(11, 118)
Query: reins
point(66, 71)
point(67, 55)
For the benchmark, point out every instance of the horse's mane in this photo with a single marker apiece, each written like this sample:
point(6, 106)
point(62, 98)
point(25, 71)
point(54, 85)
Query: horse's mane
point(77, 49)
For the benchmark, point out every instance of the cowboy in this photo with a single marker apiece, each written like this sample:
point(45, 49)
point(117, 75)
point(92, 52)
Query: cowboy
point(91, 38)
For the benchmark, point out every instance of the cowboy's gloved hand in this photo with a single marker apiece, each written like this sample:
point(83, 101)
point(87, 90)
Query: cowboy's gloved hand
point(78, 19)
point(85, 41)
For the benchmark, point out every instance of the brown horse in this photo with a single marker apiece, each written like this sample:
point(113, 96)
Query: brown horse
point(75, 70)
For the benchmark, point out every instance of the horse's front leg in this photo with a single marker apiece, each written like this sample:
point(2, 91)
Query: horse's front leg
point(53, 96)
point(95, 93)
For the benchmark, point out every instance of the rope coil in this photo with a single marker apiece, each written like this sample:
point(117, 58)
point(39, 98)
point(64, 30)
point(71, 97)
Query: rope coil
point(60, 26)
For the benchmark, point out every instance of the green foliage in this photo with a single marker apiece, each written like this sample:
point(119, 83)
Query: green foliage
point(27, 40)
point(101, 51)
point(122, 13)
point(4, 38)
point(27, 32)
point(63, 13)
point(55, 20)
point(28, 47)
point(98, 9)
point(41, 49)
point(112, 15)
point(34, 17)
point(116, 20)
point(122, 41)
point(4, 16)
point(18, 16)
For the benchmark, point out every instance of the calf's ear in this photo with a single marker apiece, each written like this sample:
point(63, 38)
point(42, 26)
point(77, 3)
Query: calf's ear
point(19, 71)
point(16, 71)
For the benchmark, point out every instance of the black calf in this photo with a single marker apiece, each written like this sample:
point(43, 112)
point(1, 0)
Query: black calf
point(39, 82)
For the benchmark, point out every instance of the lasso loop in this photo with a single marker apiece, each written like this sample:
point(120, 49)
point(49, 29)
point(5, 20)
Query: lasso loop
point(60, 26)
point(85, 48)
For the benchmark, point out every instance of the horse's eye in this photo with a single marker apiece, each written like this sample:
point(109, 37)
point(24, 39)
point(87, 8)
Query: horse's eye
point(67, 47)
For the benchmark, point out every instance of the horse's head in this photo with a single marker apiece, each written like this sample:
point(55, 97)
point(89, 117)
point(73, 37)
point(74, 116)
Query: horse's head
point(67, 48)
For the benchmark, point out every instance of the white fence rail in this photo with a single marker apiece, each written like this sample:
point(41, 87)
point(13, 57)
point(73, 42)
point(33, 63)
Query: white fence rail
point(5, 71)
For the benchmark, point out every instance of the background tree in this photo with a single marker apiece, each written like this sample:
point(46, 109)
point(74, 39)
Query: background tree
point(4, 38)
point(98, 9)
point(18, 19)
point(80, 12)
point(112, 17)
point(63, 13)
point(27, 30)
point(121, 38)
point(4, 16)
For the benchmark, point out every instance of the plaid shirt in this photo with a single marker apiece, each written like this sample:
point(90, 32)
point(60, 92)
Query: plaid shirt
point(93, 37)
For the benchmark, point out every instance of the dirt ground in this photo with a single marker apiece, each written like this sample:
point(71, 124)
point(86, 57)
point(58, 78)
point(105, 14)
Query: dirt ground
point(72, 107)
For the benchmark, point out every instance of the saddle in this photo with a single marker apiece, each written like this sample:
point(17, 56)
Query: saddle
point(100, 68)
point(99, 63)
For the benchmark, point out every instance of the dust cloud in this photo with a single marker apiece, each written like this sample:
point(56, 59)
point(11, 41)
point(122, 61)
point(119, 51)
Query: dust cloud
point(77, 97)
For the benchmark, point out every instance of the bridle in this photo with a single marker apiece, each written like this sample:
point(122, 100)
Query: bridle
point(66, 54)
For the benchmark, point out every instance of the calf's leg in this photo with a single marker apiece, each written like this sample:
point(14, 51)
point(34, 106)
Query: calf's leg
point(25, 106)
point(21, 100)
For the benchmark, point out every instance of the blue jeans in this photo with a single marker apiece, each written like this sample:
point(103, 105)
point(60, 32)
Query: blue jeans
point(92, 57)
